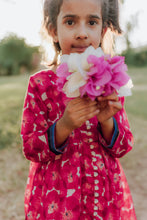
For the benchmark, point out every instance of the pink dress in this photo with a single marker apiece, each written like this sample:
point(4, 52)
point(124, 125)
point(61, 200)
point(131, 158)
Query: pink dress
point(85, 181)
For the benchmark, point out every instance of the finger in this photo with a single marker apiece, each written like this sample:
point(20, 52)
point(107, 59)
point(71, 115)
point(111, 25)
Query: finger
point(90, 115)
point(112, 96)
point(81, 117)
point(79, 99)
point(83, 104)
point(102, 104)
point(116, 105)
point(86, 111)
point(109, 97)
point(75, 100)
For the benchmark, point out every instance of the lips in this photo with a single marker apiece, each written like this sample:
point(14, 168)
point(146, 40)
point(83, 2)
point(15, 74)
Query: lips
point(79, 48)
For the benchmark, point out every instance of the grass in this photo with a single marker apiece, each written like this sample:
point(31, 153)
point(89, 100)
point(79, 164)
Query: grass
point(12, 92)
point(136, 105)
point(138, 75)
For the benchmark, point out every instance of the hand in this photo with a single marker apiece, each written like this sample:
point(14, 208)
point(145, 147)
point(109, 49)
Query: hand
point(108, 106)
point(78, 111)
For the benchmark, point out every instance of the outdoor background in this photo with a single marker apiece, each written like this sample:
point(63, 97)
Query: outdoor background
point(20, 56)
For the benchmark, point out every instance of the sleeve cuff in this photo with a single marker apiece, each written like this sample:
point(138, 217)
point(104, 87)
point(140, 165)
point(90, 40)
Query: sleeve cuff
point(51, 139)
point(114, 137)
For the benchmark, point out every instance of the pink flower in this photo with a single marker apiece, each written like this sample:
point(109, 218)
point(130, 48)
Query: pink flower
point(98, 76)
point(119, 75)
point(94, 74)
point(62, 73)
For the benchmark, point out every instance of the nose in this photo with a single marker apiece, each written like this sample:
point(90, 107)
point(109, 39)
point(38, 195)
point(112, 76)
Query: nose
point(81, 32)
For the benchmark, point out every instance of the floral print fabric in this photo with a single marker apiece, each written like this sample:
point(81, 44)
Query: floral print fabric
point(86, 181)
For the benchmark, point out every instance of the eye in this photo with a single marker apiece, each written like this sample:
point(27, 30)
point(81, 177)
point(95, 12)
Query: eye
point(69, 22)
point(92, 22)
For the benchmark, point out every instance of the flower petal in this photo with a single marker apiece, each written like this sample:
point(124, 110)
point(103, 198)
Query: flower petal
point(126, 89)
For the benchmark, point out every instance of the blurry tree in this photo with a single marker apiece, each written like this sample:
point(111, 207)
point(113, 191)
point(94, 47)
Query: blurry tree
point(130, 26)
point(16, 55)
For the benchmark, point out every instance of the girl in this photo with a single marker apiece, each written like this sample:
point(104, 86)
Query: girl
point(73, 147)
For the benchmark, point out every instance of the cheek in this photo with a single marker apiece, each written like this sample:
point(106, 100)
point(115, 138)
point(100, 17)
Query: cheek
point(99, 36)
point(96, 40)
point(63, 35)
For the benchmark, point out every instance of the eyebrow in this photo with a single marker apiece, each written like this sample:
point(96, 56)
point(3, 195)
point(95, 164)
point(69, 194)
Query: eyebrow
point(94, 16)
point(73, 16)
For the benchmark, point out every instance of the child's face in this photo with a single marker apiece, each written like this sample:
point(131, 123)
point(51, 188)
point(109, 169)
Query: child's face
point(79, 25)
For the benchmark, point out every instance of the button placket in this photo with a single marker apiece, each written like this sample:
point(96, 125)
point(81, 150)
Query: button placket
point(95, 172)
point(96, 181)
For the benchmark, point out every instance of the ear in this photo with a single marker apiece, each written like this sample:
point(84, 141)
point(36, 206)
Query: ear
point(53, 33)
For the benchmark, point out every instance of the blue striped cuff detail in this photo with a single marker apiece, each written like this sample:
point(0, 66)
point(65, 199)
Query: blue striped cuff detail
point(115, 134)
point(114, 137)
point(51, 139)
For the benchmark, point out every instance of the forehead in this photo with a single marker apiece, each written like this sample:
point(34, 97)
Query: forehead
point(81, 7)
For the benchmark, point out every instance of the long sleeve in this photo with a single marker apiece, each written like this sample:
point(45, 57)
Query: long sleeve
point(36, 119)
point(124, 141)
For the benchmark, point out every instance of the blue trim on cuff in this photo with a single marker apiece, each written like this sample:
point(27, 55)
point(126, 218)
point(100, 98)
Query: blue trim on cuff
point(114, 137)
point(115, 134)
point(51, 139)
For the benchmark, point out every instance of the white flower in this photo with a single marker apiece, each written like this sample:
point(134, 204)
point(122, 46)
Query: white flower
point(78, 65)
point(72, 61)
point(90, 51)
point(78, 62)
point(126, 89)
point(75, 81)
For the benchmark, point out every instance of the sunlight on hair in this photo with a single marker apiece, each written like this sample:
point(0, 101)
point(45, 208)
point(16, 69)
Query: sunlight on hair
point(108, 42)
point(48, 53)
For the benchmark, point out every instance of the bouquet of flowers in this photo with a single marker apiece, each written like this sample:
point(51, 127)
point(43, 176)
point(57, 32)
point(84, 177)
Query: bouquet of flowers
point(93, 73)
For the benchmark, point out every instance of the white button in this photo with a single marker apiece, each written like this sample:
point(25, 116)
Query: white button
point(93, 153)
point(96, 201)
point(96, 194)
point(96, 188)
point(95, 174)
point(90, 140)
point(89, 133)
point(95, 168)
point(96, 208)
point(88, 127)
point(96, 181)
point(91, 146)
point(95, 213)
point(87, 122)
point(94, 159)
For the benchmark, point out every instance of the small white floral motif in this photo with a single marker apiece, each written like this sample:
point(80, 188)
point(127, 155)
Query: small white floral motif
point(43, 139)
point(44, 96)
point(70, 192)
